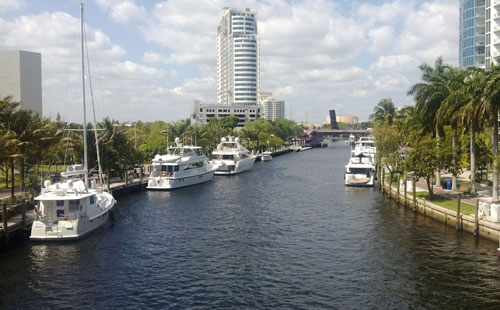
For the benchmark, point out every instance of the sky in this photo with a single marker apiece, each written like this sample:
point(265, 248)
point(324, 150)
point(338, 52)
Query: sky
point(150, 59)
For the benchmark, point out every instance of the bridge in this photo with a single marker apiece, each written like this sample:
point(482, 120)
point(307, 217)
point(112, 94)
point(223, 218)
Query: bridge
point(342, 133)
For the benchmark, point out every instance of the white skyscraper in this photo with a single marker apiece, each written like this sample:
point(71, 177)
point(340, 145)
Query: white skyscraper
point(237, 57)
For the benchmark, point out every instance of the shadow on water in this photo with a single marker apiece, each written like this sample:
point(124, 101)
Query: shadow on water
point(286, 234)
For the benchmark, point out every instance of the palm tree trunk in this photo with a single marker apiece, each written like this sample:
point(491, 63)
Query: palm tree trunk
point(22, 174)
point(454, 144)
point(494, 193)
point(473, 158)
point(438, 173)
point(6, 175)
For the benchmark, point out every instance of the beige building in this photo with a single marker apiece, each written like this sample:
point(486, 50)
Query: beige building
point(21, 78)
point(346, 119)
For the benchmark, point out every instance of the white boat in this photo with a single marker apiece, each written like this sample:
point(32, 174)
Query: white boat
point(360, 171)
point(183, 165)
point(365, 146)
point(266, 156)
point(231, 157)
point(71, 209)
point(351, 140)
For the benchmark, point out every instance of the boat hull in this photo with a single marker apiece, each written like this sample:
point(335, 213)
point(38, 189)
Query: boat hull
point(168, 183)
point(235, 168)
point(66, 230)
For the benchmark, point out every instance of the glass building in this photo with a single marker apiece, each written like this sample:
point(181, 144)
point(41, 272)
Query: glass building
point(472, 48)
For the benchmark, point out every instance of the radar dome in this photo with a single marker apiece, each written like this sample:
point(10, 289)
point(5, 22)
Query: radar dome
point(223, 139)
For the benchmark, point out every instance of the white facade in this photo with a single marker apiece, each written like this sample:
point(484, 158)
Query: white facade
point(492, 29)
point(237, 57)
point(21, 78)
point(201, 113)
point(272, 109)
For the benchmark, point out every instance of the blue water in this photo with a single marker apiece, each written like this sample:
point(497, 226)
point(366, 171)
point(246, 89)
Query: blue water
point(286, 234)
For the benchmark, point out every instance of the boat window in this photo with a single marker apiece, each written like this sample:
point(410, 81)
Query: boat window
point(60, 213)
point(360, 170)
point(176, 168)
point(198, 152)
point(60, 203)
point(74, 205)
point(92, 199)
point(163, 168)
point(227, 156)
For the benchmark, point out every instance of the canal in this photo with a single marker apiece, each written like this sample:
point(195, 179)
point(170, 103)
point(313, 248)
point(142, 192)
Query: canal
point(286, 234)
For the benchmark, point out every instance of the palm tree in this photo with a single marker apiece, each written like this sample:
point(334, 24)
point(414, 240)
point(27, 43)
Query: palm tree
point(450, 112)
point(429, 95)
point(472, 113)
point(384, 112)
point(492, 100)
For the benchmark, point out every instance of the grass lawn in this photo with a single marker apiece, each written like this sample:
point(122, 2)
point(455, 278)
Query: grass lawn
point(43, 168)
point(450, 204)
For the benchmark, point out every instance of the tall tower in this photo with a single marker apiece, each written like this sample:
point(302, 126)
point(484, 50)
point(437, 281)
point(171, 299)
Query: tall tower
point(472, 33)
point(492, 17)
point(237, 57)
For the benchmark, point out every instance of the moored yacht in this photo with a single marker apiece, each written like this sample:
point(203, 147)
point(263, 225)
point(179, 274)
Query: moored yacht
point(365, 146)
point(231, 157)
point(266, 156)
point(183, 165)
point(70, 209)
point(360, 171)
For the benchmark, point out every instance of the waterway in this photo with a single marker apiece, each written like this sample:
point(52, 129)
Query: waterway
point(287, 234)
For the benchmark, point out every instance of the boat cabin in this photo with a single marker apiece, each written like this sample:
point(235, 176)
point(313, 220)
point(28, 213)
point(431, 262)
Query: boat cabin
point(67, 209)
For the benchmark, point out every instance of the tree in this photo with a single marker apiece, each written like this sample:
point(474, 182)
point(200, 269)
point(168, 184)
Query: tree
point(384, 112)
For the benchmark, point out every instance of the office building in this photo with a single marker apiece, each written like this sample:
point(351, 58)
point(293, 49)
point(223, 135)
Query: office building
point(21, 78)
point(202, 113)
point(272, 109)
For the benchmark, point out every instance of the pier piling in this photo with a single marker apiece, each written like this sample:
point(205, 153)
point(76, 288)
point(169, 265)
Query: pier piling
point(476, 219)
point(405, 191)
point(399, 180)
point(413, 183)
point(458, 226)
point(4, 221)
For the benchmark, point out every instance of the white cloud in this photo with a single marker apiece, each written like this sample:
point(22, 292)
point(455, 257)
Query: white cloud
point(11, 5)
point(123, 11)
point(315, 54)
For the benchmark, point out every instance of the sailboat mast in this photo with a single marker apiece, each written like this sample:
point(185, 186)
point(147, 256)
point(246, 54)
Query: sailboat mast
point(85, 165)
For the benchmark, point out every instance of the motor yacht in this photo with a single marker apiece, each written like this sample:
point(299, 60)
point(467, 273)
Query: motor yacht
point(183, 165)
point(360, 171)
point(266, 156)
point(231, 157)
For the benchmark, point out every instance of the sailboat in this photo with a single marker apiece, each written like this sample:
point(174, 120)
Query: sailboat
point(72, 208)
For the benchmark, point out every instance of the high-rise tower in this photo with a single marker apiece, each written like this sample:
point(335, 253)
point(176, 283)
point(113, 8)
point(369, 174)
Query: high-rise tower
point(472, 33)
point(237, 57)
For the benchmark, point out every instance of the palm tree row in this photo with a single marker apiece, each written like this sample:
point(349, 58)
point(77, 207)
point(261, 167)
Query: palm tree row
point(453, 106)
point(27, 141)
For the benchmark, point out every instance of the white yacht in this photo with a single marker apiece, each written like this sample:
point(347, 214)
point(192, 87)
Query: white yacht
point(360, 171)
point(365, 146)
point(183, 165)
point(351, 140)
point(266, 156)
point(231, 157)
point(69, 209)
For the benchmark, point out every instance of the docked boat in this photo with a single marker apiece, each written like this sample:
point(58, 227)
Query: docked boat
point(351, 140)
point(266, 156)
point(365, 146)
point(231, 157)
point(360, 171)
point(70, 209)
point(183, 165)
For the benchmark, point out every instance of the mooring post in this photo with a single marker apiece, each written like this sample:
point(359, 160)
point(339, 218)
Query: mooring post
point(413, 183)
point(405, 191)
point(399, 180)
point(4, 220)
point(459, 224)
point(108, 178)
point(476, 219)
point(383, 180)
point(140, 176)
point(23, 212)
